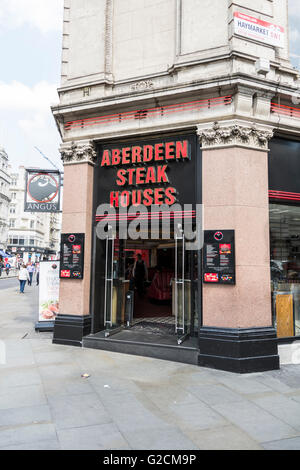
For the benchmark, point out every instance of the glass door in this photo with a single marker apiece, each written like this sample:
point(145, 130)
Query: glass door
point(182, 290)
point(112, 291)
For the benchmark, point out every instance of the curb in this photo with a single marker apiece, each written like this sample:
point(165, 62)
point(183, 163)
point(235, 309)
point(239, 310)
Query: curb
point(8, 277)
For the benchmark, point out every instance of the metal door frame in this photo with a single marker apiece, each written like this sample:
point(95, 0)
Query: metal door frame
point(109, 330)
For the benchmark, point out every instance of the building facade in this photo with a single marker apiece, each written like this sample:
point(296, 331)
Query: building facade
point(189, 102)
point(32, 236)
point(4, 198)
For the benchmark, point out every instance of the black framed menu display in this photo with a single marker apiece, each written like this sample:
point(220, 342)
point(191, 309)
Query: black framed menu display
point(72, 256)
point(219, 257)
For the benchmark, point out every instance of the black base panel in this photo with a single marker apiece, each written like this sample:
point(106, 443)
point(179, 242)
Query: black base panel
point(44, 326)
point(70, 329)
point(239, 350)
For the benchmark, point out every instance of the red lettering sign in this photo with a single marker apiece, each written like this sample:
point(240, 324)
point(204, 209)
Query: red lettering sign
point(65, 273)
point(211, 277)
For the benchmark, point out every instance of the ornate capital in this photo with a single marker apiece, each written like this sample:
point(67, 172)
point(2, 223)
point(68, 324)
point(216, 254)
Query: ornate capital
point(78, 152)
point(234, 134)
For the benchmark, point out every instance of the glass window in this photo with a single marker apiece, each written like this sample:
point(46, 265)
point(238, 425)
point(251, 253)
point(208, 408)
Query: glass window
point(285, 268)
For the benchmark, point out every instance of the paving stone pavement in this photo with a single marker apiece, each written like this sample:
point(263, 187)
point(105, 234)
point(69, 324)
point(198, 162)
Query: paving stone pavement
point(131, 402)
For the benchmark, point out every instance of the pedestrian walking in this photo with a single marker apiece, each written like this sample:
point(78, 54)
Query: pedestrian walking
point(7, 268)
point(23, 277)
point(1, 267)
point(30, 269)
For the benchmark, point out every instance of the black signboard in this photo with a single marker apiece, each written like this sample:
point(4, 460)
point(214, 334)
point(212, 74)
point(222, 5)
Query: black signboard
point(155, 171)
point(219, 257)
point(284, 167)
point(72, 256)
point(42, 191)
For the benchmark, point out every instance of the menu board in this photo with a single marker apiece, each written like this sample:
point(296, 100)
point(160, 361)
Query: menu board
point(72, 256)
point(219, 257)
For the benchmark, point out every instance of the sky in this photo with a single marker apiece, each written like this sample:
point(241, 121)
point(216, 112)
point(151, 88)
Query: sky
point(30, 51)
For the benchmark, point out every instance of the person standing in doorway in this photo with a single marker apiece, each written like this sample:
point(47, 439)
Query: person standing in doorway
point(139, 274)
point(30, 269)
point(23, 277)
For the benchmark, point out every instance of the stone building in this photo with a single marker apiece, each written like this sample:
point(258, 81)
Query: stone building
point(213, 75)
point(4, 198)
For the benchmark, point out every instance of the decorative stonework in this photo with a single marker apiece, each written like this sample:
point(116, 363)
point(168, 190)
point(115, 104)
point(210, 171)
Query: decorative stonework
point(143, 85)
point(235, 133)
point(78, 152)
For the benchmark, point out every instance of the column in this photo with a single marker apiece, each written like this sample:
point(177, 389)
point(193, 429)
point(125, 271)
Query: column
point(237, 332)
point(74, 320)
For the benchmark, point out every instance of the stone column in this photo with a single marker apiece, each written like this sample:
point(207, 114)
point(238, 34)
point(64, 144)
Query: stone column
point(237, 332)
point(74, 319)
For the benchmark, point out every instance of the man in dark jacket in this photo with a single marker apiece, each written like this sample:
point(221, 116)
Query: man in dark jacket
point(140, 274)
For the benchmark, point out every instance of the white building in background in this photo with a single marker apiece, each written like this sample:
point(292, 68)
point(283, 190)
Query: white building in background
point(4, 198)
point(32, 235)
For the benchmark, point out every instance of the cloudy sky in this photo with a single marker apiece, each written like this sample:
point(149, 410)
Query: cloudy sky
point(30, 50)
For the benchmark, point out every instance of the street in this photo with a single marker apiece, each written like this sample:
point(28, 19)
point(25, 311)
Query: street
point(5, 283)
point(131, 402)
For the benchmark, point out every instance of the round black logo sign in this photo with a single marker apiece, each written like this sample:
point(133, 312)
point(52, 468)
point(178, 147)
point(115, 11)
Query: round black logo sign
point(218, 236)
point(42, 187)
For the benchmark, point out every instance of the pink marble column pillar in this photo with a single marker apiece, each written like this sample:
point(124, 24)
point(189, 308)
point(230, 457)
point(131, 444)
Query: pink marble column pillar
point(235, 196)
point(73, 320)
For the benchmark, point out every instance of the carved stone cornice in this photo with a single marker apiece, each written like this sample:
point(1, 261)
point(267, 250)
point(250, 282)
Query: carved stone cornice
point(83, 151)
point(234, 134)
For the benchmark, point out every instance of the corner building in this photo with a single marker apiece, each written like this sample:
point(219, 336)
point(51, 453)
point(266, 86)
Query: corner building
point(213, 76)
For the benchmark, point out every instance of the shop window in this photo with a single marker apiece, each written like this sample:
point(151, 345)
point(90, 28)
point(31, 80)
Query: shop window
point(285, 268)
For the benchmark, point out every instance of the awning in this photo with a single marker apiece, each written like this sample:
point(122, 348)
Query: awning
point(5, 255)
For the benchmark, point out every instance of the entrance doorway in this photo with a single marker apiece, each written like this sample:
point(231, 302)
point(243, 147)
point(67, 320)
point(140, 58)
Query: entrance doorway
point(150, 287)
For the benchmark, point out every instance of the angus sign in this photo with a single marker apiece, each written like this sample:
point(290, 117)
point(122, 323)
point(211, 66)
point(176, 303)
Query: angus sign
point(42, 192)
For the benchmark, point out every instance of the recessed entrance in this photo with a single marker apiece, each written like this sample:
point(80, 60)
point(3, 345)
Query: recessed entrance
point(147, 298)
point(150, 269)
point(149, 287)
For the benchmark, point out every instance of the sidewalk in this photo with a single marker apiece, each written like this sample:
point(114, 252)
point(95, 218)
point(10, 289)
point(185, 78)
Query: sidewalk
point(131, 402)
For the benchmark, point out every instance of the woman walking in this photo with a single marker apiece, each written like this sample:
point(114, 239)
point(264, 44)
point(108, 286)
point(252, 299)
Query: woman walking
point(23, 277)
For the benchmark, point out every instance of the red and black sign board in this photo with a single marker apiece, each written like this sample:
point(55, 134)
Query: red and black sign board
point(42, 191)
point(219, 257)
point(72, 256)
point(155, 171)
